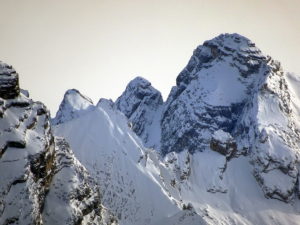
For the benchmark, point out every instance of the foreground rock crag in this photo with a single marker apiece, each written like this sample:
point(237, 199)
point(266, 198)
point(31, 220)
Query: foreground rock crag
point(41, 181)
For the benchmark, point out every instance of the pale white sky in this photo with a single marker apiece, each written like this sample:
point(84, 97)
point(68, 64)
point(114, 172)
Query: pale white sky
point(98, 46)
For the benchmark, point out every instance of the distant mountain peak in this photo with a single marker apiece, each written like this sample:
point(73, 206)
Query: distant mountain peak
point(137, 91)
point(73, 105)
point(141, 104)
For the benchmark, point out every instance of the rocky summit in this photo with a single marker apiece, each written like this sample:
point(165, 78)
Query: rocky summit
point(141, 104)
point(222, 149)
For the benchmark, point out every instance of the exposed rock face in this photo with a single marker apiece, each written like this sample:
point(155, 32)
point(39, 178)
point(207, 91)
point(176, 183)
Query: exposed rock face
point(26, 160)
point(9, 82)
point(34, 168)
point(223, 143)
point(73, 105)
point(141, 104)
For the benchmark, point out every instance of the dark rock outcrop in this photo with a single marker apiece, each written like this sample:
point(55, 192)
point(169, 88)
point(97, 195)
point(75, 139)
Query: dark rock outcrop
point(9, 82)
point(223, 143)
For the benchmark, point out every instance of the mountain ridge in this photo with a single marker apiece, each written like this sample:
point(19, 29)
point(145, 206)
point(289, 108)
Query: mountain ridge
point(231, 117)
point(222, 149)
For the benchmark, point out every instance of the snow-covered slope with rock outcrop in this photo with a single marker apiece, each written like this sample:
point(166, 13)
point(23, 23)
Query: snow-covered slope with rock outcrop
point(135, 184)
point(41, 181)
point(226, 142)
point(222, 149)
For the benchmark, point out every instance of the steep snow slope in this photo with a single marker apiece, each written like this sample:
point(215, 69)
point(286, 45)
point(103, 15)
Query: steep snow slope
point(227, 192)
point(73, 196)
point(33, 163)
point(132, 179)
point(142, 189)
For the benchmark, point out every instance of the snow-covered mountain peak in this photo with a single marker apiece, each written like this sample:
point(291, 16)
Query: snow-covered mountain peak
point(141, 104)
point(105, 102)
point(230, 42)
point(234, 49)
point(212, 89)
point(138, 91)
point(73, 105)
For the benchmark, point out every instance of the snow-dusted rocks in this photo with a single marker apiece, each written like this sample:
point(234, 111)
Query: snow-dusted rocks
point(41, 182)
point(9, 82)
point(211, 92)
point(142, 104)
point(268, 130)
point(73, 196)
point(73, 105)
point(26, 160)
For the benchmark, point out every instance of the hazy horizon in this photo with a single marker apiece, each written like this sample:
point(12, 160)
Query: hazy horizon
point(98, 46)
